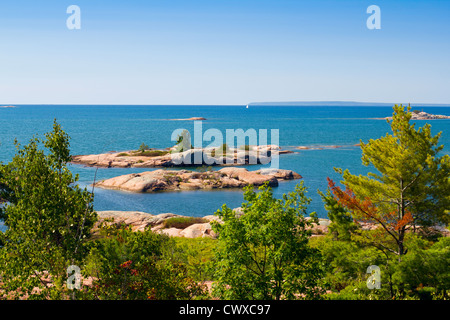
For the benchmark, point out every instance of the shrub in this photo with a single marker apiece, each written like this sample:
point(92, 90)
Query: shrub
point(143, 147)
point(197, 255)
point(245, 147)
point(151, 153)
point(423, 272)
point(137, 265)
point(220, 151)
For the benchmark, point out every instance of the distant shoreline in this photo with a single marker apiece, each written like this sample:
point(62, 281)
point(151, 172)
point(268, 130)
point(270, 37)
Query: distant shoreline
point(344, 104)
point(255, 104)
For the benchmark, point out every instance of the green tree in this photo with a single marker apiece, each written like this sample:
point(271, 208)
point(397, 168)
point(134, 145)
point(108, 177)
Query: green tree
point(411, 187)
point(48, 218)
point(143, 147)
point(342, 224)
point(263, 253)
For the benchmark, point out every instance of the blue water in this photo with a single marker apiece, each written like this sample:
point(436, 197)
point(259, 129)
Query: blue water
point(97, 129)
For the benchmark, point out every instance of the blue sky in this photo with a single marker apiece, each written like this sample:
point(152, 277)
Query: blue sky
point(223, 52)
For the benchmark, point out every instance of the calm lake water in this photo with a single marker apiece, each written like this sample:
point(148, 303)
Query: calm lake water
point(97, 129)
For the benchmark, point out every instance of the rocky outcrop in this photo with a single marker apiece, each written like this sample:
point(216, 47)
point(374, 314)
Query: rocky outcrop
point(173, 180)
point(194, 157)
point(121, 160)
point(190, 119)
point(427, 116)
point(140, 221)
point(318, 147)
point(421, 115)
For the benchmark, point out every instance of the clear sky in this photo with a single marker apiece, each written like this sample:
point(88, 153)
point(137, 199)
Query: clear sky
point(223, 52)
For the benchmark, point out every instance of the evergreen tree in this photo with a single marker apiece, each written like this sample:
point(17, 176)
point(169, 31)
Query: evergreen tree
point(411, 187)
point(342, 224)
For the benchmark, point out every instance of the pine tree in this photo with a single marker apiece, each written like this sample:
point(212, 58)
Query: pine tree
point(411, 187)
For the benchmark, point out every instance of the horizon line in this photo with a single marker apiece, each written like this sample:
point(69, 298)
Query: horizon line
point(259, 103)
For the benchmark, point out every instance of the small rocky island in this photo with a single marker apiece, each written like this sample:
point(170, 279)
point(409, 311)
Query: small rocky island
point(177, 180)
point(190, 119)
point(421, 115)
point(153, 158)
point(7, 107)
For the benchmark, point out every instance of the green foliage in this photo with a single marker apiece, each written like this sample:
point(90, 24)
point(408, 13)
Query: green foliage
point(245, 147)
point(204, 168)
point(411, 185)
point(424, 271)
point(5, 194)
point(48, 219)
point(264, 253)
point(197, 255)
point(356, 291)
point(342, 224)
point(129, 265)
point(223, 150)
point(220, 151)
point(143, 147)
point(421, 274)
point(150, 153)
point(144, 151)
point(346, 262)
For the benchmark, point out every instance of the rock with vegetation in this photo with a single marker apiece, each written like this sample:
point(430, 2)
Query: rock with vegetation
point(164, 223)
point(147, 157)
point(421, 115)
point(175, 225)
point(173, 180)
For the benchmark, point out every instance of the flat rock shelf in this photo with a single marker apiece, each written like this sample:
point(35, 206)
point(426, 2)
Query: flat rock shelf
point(175, 180)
